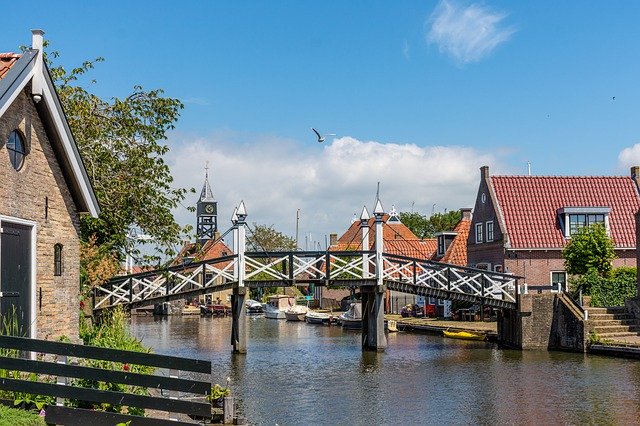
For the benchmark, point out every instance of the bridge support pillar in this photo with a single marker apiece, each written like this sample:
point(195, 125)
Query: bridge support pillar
point(239, 320)
point(373, 337)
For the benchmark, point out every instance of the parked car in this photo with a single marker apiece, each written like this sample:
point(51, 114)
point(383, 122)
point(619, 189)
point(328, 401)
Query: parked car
point(412, 310)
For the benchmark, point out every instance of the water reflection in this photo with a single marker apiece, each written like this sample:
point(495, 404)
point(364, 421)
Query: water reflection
point(296, 373)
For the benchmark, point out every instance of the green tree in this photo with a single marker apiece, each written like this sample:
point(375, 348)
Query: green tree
point(120, 141)
point(266, 238)
point(590, 249)
point(424, 227)
point(417, 223)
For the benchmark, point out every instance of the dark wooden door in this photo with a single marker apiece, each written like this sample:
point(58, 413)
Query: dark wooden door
point(15, 274)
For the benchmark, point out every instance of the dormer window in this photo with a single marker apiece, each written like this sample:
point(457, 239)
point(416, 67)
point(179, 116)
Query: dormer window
point(572, 219)
point(444, 241)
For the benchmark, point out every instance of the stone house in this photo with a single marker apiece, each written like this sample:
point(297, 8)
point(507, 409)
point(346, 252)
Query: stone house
point(521, 224)
point(45, 188)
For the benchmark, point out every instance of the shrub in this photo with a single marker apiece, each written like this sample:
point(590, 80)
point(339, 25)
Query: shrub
point(608, 291)
point(16, 417)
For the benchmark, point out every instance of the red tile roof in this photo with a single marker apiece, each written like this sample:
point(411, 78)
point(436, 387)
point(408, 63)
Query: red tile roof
point(398, 239)
point(6, 62)
point(457, 251)
point(529, 206)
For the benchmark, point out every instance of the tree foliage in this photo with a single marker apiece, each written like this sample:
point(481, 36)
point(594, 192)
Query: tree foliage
point(590, 248)
point(120, 141)
point(424, 227)
point(266, 238)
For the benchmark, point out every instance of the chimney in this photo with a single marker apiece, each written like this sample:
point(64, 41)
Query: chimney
point(37, 43)
point(216, 235)
point(635, 175)
point(466, 213)
point(333, 239)
point(484, 172)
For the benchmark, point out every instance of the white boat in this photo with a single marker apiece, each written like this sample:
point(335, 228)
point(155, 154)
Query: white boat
point(253, 307)
point(296, 313)
point(277, 304)
point(352, 319)
point(314, 317)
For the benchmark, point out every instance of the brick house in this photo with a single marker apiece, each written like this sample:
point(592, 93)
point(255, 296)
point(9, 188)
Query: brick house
point(522, 223)
point(398, 239)
point(44, 190)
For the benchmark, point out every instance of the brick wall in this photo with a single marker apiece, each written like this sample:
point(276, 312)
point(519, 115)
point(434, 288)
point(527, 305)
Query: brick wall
point(536, 265)
point(22, 195)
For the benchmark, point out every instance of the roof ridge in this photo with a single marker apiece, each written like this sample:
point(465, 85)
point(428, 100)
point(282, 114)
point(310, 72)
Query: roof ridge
point(563, 176)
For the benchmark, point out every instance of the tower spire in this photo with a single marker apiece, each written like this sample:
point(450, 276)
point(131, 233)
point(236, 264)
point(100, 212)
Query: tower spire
point(206, 194)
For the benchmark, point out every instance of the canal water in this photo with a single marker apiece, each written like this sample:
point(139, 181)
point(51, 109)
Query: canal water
point(299, 374)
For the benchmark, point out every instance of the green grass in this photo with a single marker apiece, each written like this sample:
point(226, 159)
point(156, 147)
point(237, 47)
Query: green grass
point(17, 417)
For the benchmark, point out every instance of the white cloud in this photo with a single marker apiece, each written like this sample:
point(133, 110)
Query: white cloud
point(467, 34)
point(629, 157)
point(328, 183)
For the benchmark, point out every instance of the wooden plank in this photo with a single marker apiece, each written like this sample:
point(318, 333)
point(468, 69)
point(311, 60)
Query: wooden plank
point(93, 352)
point(109, 397)
point(81, 416)
point(112, 376)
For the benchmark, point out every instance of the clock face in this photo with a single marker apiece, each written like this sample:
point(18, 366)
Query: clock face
point(208, 208)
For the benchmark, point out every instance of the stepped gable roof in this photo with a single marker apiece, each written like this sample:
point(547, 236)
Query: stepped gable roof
point(456, 253)
point(398, 239)
point(6, 62)
point(529, 206)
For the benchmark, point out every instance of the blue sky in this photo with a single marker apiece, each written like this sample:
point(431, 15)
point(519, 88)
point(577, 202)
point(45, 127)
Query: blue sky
point(419, 93)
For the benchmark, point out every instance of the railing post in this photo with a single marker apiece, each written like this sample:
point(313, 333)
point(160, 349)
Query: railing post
point(415, 278)
point(364, 228)
point(173, 394)
point(327, 265)
point(291, 267)
point(61, 380)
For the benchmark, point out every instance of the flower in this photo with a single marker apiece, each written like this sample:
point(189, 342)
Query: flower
point(42, 413)
point(126, 367)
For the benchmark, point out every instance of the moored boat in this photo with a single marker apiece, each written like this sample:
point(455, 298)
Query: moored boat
point(314, 317)
point(253, 307)
point(352, 318)
point(465, 335)
point(277, 304)
point(296, 313)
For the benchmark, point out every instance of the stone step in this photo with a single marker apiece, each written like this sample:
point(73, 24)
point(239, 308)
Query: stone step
point(621, 334)
point(610, 310)
point(597, 322)
point(616, 329)
point(603, 317)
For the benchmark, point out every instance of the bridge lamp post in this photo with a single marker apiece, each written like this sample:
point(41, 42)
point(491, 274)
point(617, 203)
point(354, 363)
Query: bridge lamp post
point(378, 213)
point(238, 310)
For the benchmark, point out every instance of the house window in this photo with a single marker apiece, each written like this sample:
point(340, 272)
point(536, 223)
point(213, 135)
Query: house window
point(572, 219)
point(578, 221)
point(479, 236)
point(440, 245)
point(57, 260)
point(490, 231)
point(559, 277)
point(16, 149)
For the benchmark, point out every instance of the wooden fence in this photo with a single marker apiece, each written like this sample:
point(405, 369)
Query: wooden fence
point(181, 392)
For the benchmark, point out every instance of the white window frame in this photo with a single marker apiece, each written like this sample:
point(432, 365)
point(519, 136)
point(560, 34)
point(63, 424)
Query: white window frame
point(441, 243)
point(489, 236)
point(479, 234)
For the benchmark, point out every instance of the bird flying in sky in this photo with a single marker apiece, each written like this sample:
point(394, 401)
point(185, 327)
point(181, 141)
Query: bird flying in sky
point(321, 138)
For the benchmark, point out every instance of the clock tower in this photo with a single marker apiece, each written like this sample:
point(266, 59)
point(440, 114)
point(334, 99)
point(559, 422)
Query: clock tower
point(206, 212)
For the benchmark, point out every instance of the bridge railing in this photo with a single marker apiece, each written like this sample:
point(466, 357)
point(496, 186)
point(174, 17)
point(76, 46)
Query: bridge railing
point(158, 284)
point(308, 266)
point(452, 278)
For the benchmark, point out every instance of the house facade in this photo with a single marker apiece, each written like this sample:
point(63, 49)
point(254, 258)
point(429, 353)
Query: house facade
point(44, 190)
point(521, 224)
